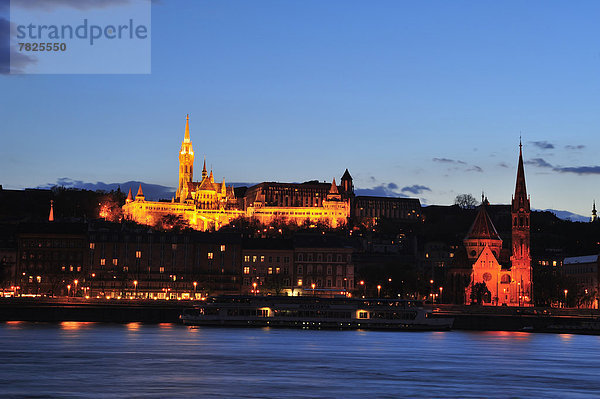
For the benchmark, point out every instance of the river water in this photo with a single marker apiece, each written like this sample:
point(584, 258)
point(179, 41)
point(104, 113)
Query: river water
point(93, 360)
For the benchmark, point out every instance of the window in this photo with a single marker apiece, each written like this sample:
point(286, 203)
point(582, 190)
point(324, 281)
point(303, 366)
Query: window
point(270, 270)
point(277, 270)
point(329, 271)
point(246, 269)
point(254, 258)
point(262, 258)
point(115, 261)
point(174, 247)
point(286, 259)
point(222, 248)
point(210, 255)
point(125, 268)
point(102, 262)
point(309, 269)
point(138, 254)
point(161, 269)
point(299, 282)
point(246, 258)
point(270, 259)
point(92, 245)
point(300, 269)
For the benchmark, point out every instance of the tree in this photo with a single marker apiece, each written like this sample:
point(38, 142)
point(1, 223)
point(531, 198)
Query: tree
point(465, 201)
point(480, 293)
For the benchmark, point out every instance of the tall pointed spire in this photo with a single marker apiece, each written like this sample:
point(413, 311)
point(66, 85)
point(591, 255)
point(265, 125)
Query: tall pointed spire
point(51, 216)
point(520, 188)
point(211, 177)
point(204, 172)
point(186, 138)
point(223, 187)
point(594, 212)
point(129, 197)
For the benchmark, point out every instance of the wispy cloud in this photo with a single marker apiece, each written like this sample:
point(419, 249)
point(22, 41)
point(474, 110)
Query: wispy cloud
point(575, 147)
point(458, 164)
point(447, 160)
point(579, 170)
point(542, 145)
point(503, 165)
point(415, 189)
point(539, 162)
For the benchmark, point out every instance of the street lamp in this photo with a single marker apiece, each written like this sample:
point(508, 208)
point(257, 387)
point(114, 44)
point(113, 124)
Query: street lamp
point(254, 285)
point(75, 291)
point(362, 282)
point(378, 290)
point(135, 283)
point(313, 288)
point(566, 292)
point(69, 290)
point(195, 285)
point(441, 298)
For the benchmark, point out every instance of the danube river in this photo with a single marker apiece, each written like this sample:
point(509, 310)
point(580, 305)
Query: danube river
point(93, 360)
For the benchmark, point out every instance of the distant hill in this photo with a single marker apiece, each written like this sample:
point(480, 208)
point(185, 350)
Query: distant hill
point(566, 215)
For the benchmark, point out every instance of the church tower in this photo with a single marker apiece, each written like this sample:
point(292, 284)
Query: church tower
point(594, 213)
point(186, 163)
point(521, 257)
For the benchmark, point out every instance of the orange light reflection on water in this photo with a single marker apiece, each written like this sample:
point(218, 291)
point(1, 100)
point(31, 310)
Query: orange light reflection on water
point(75, 325)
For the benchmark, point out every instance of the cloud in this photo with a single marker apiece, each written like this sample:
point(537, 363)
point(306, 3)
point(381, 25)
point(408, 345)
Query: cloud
point(415, 189)
point(475, 168)
point(575, 147)
point(49, 5)
point(392, 186)
point(447, 160)
point(11, 60)
point(539, 162)
point(543, 145)
point(457, 162)
point(503, 165)
point(579, 170)
point(382, 190)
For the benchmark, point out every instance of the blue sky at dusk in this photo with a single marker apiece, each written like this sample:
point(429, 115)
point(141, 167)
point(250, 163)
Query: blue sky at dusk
point(429, 97)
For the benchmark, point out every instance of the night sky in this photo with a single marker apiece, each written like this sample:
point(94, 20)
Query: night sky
point(423, 99)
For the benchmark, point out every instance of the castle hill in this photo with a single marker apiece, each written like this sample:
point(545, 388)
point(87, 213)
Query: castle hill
point(314, 239)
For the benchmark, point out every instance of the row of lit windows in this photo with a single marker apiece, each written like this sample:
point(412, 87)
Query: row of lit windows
point(261, 258)
point(309, 258)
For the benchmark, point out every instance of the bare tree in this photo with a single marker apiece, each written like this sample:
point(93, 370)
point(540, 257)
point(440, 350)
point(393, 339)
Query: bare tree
point(466, 201)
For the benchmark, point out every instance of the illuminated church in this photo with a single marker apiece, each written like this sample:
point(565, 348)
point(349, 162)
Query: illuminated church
point(506, 273)
point(207, 204)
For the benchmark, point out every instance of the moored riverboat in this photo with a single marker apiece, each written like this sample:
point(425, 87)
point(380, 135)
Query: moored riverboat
point(315, 313)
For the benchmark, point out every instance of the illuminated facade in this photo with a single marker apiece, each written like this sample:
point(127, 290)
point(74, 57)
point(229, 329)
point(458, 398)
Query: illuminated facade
point(508, 284)
point(208, 205)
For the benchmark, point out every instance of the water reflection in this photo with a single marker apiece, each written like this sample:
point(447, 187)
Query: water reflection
point(169, 360)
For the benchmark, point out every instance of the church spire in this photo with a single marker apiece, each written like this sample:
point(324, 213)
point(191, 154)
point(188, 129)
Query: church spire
point(520, 188)
point(204, 172)
point(51, 216)
point(211, 177)
point(186, 138)
point(594, 213)
point(129, 197)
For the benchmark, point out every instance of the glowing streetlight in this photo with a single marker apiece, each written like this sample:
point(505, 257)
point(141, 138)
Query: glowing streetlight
point(135, 283)
point(254, 285)
point(566, 292)
point(378, 290)
point(195, 285)
point(68, 290)
point(75, 291)
point(441, 290)
point(313, 288)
